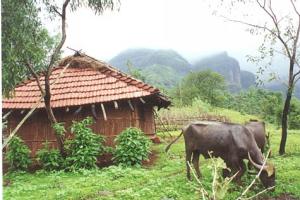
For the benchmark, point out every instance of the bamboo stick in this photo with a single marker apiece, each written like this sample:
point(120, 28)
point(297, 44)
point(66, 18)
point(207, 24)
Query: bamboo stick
point(142, 100)
point(103, 111)
point(116, 105)
point(130, 105)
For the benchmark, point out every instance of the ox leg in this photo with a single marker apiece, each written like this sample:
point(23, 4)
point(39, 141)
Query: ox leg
point(236, 167)
point(196, 156)
point(239, 168)
point(188, 158)
point(226, 172)
point(242, 169)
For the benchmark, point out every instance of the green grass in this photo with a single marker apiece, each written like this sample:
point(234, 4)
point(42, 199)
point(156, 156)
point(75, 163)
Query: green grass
point(199, 108)
point(166, 179)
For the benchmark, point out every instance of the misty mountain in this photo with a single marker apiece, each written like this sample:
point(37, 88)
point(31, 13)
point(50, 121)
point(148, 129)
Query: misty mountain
point(247, 79)
point(228, 67)
point(145, 58)
point(162, 68)
point(280, 87)
point(165, 68)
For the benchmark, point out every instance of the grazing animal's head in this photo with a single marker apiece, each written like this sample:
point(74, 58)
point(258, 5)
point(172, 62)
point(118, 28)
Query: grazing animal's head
point(267, 175)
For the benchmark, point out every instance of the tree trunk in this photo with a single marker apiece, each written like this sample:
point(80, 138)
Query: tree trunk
point(47, 97)
point(284, 121)
point(51, 117)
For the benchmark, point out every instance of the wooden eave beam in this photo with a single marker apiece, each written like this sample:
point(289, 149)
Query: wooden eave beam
point(130, 105)
point(116, 104)
point(142, 100)
point(103, 111)
point(93, 108)
point(78, 110)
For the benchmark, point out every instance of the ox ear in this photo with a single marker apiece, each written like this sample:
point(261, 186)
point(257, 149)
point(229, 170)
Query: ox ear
point(269, 168)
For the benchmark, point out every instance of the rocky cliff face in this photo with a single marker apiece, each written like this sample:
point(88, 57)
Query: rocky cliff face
point(224, 65)
point(228, 67)
point(166, 67)
point(247, 79)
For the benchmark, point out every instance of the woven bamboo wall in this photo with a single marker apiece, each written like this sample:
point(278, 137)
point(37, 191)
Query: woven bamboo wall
point(36, 130)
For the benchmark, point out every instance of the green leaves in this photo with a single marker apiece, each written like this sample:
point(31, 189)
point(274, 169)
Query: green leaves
point(50, 158)
point(83, 150)
point(59, 129)
point(24, 40)
point(132, 147)
point(18, 154)
point(207, 85)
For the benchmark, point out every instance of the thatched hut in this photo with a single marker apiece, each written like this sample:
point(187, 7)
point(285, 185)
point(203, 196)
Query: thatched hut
point(83, 86)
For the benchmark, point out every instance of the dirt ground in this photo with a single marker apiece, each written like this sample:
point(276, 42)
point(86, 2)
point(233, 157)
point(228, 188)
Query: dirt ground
point(152, 159)
point(281, 197)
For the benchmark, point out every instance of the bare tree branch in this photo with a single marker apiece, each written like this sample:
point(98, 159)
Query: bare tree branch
point(55, 10)
point(278, 35)
point(273, 14)
point(296, 74)
point(250, 24)
point(297, 79)
point(29, 67)
point(47, 97)
point(295, 9)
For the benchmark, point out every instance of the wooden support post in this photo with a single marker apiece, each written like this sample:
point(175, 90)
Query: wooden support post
point(94, 111)
point(116, 105)
point(103, 111)
point(78, 110)
point(130, 105)
point(7, 114)
point(142, 100)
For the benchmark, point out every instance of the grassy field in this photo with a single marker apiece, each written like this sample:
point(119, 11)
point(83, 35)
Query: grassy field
point(165, 179)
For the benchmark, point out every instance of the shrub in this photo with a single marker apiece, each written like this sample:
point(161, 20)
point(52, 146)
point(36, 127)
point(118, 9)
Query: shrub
point(294, 115)
point(86, 146)
point(18, 154)
point(132, 147)
point(50, 159)
point(59, 128)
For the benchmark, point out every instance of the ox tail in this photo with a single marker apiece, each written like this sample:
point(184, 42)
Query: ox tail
point(169, 145)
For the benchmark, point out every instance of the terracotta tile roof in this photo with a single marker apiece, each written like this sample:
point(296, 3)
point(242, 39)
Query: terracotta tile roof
point(81, 83)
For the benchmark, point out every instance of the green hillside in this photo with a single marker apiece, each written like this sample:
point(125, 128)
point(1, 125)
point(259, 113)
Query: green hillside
point(162, 68)
point(161, 76)
point(165, 68)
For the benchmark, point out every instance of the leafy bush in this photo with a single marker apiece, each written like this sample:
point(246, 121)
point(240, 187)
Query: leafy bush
point(86, 146)
point(206, 85)
point(59, 129)
point(132, 147)
point(50, 159)
point(294, 115)
point(18, 154)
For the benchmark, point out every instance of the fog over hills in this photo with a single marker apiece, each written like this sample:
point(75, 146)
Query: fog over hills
point(165, 68)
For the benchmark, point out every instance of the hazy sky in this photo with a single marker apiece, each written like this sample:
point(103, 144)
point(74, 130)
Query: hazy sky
point(188, 27)
point(185, 26)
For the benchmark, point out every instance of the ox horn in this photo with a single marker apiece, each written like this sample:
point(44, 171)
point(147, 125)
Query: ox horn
point(257, 166)
point(268, 168)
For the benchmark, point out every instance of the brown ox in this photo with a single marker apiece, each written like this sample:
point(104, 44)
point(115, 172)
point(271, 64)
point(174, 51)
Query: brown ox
point(231, 142)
